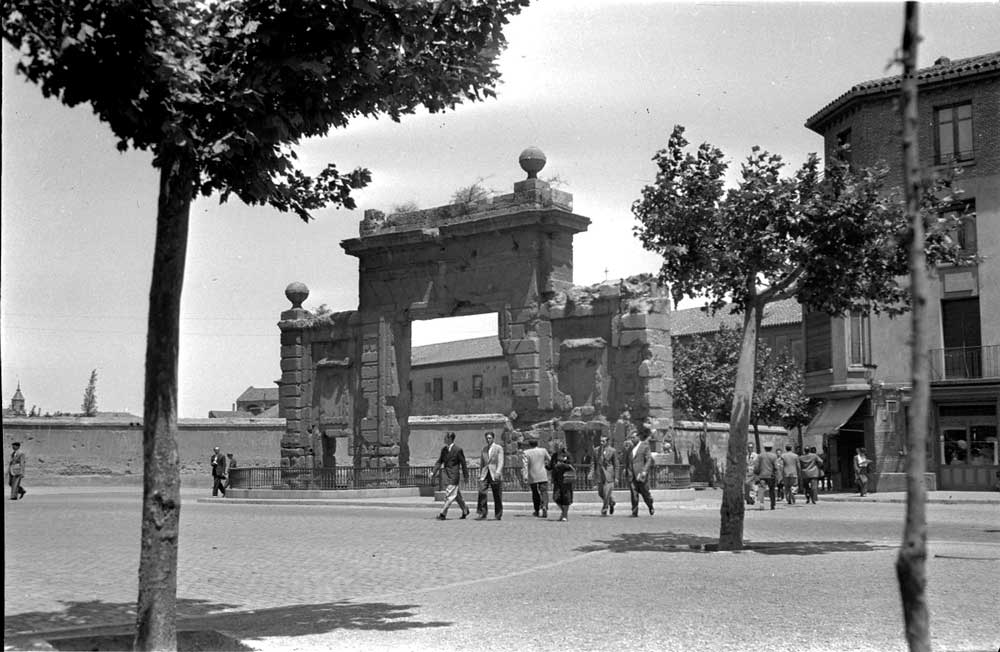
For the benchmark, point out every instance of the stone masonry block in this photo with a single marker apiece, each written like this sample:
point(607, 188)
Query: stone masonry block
point(369, 371)
point(294, 414)
point(526, 389)
point(289, 391)
point(524, 376)
point(517, 331)
point(646, 320)
point(291, 364)
point(628, 338)
point(369, 423)
point(292, 351)
point(370, 386)
point(525, 361)
point(292, 377)
point(515, 347)
point(289, 338)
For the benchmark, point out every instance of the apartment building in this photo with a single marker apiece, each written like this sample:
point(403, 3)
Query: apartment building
point(860, 364)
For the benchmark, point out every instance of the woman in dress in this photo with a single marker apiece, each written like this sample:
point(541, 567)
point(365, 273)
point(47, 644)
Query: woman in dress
point(563, 475)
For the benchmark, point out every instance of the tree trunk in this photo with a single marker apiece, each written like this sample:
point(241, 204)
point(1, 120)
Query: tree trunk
point(731, 527)
point(911, 563)
point(156, 612)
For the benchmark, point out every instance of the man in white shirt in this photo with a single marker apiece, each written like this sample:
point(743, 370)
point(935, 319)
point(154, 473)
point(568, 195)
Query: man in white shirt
point(490, 477)
point(535, 474)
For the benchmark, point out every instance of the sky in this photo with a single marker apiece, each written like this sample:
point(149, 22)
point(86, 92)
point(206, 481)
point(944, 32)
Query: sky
point(598, 86)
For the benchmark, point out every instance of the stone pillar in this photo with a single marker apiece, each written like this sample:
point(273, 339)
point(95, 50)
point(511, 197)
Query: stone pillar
point(295, 366)
point(650, 333)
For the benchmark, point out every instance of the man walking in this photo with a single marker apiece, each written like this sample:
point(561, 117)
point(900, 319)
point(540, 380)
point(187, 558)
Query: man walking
point(490, 477)
point(638, 465)
point(790, 469)
point(605, 472)
point(452, 460)
point(765, 470)
point(534, 470)
point(219, 472)
point(812, 465)
point(15, 471)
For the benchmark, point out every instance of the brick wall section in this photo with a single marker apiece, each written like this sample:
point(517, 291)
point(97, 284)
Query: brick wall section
point(875, 126)
point(62, 448)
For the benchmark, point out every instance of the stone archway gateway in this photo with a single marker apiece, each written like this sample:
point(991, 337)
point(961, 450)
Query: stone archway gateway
point(581, 358)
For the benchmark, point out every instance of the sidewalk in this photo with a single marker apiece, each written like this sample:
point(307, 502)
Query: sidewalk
point(587, 501)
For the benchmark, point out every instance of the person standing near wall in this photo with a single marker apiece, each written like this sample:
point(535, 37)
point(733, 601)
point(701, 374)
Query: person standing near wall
point(452, 460)
point(219, 472)
point(15, 471)
point(749, 484)
point(861, 471)
point(605, 471)
point(490, 478)
point(534, 469)
point(230, 465)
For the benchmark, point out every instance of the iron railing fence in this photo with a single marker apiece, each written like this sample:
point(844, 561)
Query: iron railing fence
point(965, 363)
point(349, 477)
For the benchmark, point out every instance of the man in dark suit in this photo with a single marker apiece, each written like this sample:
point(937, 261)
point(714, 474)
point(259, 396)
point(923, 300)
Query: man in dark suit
point(15, 471)
point(638, 465)
point(604, 473)
point(452, 460)
point(220, 472)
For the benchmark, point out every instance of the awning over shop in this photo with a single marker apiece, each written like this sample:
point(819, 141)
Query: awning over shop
point(834, 414)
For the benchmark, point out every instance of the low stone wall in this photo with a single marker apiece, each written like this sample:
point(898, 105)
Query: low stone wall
point(705, 447)
point(67, 449)
point(427, 435)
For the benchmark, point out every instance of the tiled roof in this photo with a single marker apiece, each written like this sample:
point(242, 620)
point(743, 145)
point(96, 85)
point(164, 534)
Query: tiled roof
point(694, 320)
point(472, 349)
point(942, 70)
point(259, 394)
point(225, 414)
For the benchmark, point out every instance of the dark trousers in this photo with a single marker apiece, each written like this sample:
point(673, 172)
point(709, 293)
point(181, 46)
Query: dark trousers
point(770, 483)
point(16, 490)
point(497, 486)
point(218, 484)
point(810, 486)
point(540, 496)
point(639, 488)
point(790, 483)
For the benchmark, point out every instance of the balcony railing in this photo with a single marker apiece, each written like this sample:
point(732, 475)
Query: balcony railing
point(965, 363)
point(348, 477)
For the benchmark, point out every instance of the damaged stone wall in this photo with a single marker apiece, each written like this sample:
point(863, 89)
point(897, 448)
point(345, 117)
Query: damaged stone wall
point(582, 360)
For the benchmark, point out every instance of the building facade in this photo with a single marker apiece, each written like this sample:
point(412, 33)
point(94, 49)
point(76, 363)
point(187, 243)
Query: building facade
point(860, 364)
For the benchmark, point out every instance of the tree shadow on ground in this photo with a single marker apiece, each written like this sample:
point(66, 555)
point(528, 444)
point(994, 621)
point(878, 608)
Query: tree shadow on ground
point(680, 542)
point(95, 619)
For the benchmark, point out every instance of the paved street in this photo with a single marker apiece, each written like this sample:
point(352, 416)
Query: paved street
point(303, 577)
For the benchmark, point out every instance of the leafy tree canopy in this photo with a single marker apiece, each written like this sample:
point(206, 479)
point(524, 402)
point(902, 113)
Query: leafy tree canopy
point(230, 87)
point(834, 239)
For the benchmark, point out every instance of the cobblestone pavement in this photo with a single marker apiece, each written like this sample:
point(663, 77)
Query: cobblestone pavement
point(302, 577)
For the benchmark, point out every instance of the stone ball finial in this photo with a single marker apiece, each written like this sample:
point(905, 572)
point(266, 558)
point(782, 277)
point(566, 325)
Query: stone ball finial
point(532, 161)
point(297, 293)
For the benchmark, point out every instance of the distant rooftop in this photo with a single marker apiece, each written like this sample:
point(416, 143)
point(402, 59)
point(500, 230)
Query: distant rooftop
point(259, 394)
point(692, 321)
point(472, 349)
point(943, 70)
